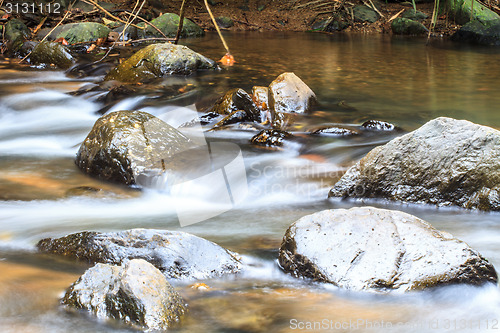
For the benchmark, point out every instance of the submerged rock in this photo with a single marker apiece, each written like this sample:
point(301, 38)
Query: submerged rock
point(125, 145)
point(377, 249)
point(158, 60)
point(335, 131)
point(136, 293)
point(270, 138)
point(288, 93)
point(176, 254)
point(377, 125)
point(477, 32)
point(404, 26)
point(444, 162)
point(50, 53)
point(168, 24)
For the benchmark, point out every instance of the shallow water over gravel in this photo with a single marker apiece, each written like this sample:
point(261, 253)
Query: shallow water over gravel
point(356, 78)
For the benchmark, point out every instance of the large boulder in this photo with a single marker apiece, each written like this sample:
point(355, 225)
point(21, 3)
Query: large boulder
point(477, 32)
point(463, 11)
point(135, 292)
point(126, 145)
point(50, 53)
point(444, 162)
point(80, 32)
point(288, 93)
point(168, 24)
point(15, 33)
point(377, 249)
point(176, 254)
point(158, 60)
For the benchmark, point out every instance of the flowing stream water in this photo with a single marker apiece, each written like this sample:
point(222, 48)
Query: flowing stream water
point(356, 78)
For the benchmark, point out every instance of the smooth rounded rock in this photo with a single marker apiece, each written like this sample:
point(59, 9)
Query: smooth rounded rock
point(376, 249)
point(288, 93)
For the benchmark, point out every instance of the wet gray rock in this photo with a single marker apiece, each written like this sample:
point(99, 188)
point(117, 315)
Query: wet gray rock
point(288, 93)
point(176, 254)
point(127, 146)
point(234, 117)
point(376, 249)
point(236, 100)
point(136, 293)
point(404, 26)
point(364, 14)
point(271, 138)
point(158, 60)
point(377, 125)
point(445, 162)
point(50, 53)
point(478, 32)
point(335, 131)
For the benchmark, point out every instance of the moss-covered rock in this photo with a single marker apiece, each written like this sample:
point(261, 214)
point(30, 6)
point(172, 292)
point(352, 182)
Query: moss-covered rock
point(377, 249)
point(365, 14)
point(445, 162)
point(404, 26)
point(158, 60)
point(16, 32)
point(413, 14)
point(49, 53)
point(224, 22)
point(477, 32)
point(136, 293)
point(460, 11)
point(176, 254)
point(168, 24)
point(77, 32)
point(124, 146)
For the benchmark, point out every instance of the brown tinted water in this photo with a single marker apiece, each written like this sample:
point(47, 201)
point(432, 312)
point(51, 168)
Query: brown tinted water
point(356, 78)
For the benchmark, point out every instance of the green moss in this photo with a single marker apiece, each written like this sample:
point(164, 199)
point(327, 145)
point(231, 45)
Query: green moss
point(47, 53)
point(404, 26)
point(83, 32)
point(460, 11)
point(168, 24)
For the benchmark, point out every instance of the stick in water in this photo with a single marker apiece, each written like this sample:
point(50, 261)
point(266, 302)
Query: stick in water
point(228, 59)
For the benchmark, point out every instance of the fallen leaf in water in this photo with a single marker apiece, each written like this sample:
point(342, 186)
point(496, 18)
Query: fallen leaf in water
point(199, 286)
point(100, 41)
point(227, 60)
point(91, 48)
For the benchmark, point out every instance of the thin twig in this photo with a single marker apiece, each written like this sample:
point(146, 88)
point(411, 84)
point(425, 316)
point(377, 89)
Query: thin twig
point(92, 2)
point(149, 39)
point(129, 22)
point(47, 35)
point(396, 15)
point(375, 8)
point(217, 27)
point(148, 23)
point(181, 23)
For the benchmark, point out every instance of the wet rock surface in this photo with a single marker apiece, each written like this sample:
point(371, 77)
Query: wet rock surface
point(376, 249)
point(176, 254)
point(236, 100)
point(404, 26)
point(445, 162)
point(126, 145)
point(477, 32)
point(335, 131)
point(158, 60)
point(50, 53)
point(75, 33)
point(288, 93)
point(136, 293)
point(377, 125)
point(15, 33)
point(271, 138)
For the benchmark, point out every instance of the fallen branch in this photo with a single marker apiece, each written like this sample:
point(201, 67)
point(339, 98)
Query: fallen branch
point(181, 23)
point(217, 27)
point(149, 39)
point(395, 16)
point(148, 23)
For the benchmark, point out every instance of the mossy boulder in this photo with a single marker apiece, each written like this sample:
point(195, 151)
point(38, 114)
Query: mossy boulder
point(366, 248)
point(136, 293)
point(49, 53)
point(158, 60)
point(224, 22)
point(413, 14)
point(128, 146)
point(364, 14)
point(176, 254)
point(446, 162)
point(477, 32)
point(15, 33)
point(404, 26)
point(168, 24)
point(78, 32)
point(462, 11)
